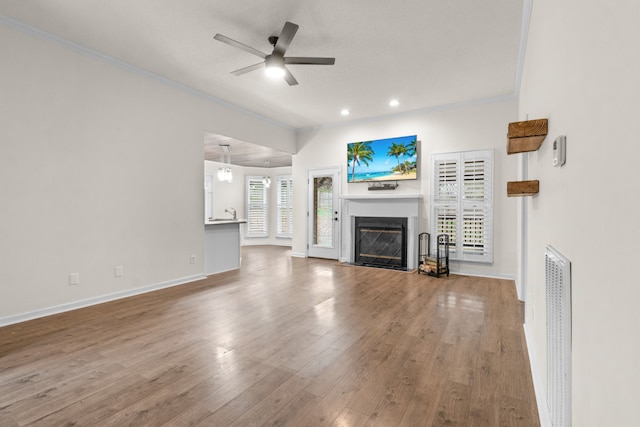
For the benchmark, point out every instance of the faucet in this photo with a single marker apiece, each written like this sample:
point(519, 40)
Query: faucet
point(232, 212)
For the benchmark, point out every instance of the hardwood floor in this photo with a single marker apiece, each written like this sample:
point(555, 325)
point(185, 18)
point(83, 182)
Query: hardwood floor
point(282, 341)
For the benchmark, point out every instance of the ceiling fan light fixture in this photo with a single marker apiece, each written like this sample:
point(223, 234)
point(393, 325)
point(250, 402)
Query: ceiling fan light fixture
point(274, 66)
point(274, 72)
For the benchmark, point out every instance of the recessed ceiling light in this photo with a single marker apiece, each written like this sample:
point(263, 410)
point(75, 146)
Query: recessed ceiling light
point(345, 112)
point(394, 103)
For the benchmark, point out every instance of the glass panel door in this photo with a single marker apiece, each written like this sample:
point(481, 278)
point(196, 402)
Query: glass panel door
point(324, 213)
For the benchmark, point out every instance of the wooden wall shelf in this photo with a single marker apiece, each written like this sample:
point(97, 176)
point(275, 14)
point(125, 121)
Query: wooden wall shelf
point(526, 136)
point(522, 188)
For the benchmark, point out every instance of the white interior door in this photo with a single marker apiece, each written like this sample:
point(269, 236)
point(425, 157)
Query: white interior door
point(324, 213)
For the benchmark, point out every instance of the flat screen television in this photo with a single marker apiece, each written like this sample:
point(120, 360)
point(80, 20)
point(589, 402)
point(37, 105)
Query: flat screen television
point(391, 159)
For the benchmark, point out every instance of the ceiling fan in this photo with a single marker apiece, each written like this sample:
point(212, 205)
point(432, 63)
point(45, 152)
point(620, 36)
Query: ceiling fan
point(275, 62)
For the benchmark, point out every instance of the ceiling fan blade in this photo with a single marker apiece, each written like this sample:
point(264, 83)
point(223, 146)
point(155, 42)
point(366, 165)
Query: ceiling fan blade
point(245, 70)
point(232, 42)
point(285, 37)
point(289, 77)
point(309, 60)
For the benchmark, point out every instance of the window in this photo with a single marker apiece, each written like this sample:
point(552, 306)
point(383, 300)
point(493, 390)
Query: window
point(285, 206)
point(257, 221)
point(462, 203)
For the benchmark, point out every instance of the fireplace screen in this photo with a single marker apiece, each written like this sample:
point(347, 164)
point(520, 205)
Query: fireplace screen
point(381, 242)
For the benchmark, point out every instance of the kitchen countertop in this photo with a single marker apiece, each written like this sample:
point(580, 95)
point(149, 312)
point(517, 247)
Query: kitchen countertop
point(225, 221)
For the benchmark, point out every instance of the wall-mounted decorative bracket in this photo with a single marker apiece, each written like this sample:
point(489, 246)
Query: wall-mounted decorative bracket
point(522, 188)
point(526, 136)
point(383, 186)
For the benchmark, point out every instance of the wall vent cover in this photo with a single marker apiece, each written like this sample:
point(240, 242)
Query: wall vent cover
point(558, 298)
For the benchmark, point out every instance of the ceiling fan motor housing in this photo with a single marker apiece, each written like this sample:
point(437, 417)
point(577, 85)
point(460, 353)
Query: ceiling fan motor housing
point(274, 60)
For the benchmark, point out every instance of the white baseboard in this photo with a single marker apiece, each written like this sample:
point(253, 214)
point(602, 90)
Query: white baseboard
point(30, 315)
point(538, 385)
point(266, 243)
point(459, 272)
point(519, 290)
point(477, 274)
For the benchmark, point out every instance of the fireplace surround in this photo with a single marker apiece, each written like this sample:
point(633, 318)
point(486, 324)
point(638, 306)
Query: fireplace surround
point(380, 242)
point(404, 206)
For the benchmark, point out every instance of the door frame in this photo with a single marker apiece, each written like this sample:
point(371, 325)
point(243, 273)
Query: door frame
point(336, 171)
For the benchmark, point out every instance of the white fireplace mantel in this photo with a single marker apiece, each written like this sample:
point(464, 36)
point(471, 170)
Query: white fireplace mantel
point(398, 205)
point(381, 196)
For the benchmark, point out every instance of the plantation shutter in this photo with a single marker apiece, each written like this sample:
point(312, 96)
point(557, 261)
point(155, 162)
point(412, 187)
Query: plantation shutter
point(257, 224)
point(462, 203)
point(446, 200)
point(477, 205)
point(285, 207)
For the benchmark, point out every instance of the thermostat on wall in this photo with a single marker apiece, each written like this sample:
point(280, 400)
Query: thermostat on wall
point(559, 150)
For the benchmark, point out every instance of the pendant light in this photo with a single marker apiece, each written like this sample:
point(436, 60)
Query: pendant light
point(224, 173)
point(266, 180)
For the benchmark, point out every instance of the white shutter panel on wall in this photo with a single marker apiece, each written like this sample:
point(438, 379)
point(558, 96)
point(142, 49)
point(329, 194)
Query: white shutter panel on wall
point(446, 219)
point(257, 224)
point(285, 206)
point(445, 203)
point(447, 170)
point(462, 203)
point(477, 205)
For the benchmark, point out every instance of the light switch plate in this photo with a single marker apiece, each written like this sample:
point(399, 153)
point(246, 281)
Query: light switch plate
point(74, 278)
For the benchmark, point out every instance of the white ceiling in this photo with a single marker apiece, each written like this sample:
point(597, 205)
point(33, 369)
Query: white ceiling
point(425, 53)
point(243, 153)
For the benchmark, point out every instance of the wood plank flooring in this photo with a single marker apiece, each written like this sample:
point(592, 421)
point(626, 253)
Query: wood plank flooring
point(281, 342)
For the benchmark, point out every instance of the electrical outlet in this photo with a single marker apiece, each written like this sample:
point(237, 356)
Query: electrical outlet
point(74, 278)
point(119, 271)
point(192, 259)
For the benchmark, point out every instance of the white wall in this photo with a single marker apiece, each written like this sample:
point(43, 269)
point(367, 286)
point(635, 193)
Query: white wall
point(233, 195)
point(100, 166)
point(582, 72)
point(455, 129)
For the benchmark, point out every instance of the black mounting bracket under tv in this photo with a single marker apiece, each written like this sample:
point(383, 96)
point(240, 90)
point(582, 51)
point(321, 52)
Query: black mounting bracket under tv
point(383, 186)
